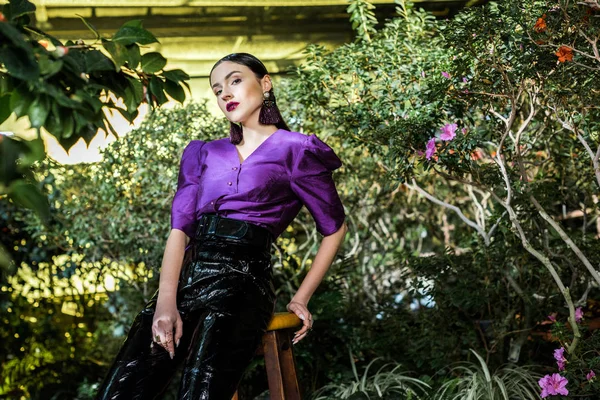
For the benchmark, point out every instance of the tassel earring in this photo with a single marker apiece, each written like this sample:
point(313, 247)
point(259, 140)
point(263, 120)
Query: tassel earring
point(269, 113)
point(235, 133)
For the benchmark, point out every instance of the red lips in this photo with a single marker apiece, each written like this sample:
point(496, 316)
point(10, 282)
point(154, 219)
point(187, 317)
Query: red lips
point(231, 106)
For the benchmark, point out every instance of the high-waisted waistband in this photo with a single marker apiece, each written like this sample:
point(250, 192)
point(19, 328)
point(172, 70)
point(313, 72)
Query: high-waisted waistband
point(243, 232)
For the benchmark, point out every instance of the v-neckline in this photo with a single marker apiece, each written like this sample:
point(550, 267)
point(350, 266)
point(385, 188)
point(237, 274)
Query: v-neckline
point(239, 156)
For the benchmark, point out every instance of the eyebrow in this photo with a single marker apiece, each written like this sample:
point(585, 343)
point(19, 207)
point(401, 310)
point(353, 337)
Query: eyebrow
point(226, 77)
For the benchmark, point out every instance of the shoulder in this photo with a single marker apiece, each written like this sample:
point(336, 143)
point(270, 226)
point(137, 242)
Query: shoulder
point(310, 149)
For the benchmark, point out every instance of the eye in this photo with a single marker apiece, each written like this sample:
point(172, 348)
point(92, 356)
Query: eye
point(217, 92)
point(236, 79)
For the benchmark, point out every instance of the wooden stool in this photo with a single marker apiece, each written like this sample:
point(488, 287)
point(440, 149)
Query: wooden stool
point(278, 351)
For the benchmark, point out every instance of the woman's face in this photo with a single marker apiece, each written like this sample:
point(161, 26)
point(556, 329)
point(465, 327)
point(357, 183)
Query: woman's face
point(239, 92)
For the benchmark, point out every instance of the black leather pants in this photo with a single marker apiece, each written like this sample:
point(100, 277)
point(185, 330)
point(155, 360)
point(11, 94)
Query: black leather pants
point(226, 300)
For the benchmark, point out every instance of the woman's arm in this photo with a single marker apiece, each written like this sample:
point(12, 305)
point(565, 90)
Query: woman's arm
point(167, 324)
point(325, 255)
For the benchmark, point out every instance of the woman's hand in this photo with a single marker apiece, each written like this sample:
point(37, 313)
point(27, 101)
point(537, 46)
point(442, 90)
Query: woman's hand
point(302, 312)
point(167, 326)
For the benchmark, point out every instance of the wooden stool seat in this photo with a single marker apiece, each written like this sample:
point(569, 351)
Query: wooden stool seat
point(278, 351)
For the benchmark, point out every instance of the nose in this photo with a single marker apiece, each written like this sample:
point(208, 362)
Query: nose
point(225, 95)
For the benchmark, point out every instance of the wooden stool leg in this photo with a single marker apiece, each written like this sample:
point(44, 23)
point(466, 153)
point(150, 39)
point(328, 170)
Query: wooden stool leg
point(271, 350)
point(288, 369)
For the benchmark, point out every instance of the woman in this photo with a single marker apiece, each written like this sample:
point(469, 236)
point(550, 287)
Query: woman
point(234, 197)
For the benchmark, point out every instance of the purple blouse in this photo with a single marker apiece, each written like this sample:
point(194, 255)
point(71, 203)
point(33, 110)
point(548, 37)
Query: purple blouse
point(288, 170)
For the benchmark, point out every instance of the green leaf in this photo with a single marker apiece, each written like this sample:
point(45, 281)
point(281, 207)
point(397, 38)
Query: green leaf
point(29, 196)
point(138, 89)
point(175, 91)
point(68, 141)
point(5, 109)
point(17, 8)
point(129, 100)
point(20, 101)
point(68, 125)
point(38, 111)
point(155, 88)
point(153, 62)
point(80, 121)
point(49, 67)
point(176, 75)
point(19, 63)
point(53, 122)
point(118, 53)
point(14, 35)
point(133, 56)
point(132, 32)
point(96, 61)
point(134, 23)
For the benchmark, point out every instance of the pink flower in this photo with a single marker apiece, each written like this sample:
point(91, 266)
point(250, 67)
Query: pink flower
point(552, 317)
point(560, 358)
point(423, 74)
point(559, 354)
point(446, 75)
point(465, 80)
point(420, 153)
point(430, 148)
point(590, 375)
point(578, 314)
point(448, 132)
point(553, 385)
point(464, 131)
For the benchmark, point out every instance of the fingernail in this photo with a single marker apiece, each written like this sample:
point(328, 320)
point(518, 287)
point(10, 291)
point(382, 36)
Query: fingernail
point(302, 317)
point(171, 354)
point(177, 344)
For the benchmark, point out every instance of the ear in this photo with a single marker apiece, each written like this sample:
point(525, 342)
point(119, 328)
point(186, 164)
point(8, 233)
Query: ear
point(266, 83)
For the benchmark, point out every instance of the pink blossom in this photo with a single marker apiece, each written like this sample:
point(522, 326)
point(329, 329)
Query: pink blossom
point(430, 148)
point(448, 132)
point(590, 375)
point(446, 75)
point(552, 385)
point(561, 365)
point(464, 131)
point(420, 153)
point(465, 80)
point(559, 354)
point(423, 74)
point(578, 314)
point(552, 317)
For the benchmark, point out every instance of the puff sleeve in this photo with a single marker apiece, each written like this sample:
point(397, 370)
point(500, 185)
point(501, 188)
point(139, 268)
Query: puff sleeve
point(312, 182)
point(183, 208)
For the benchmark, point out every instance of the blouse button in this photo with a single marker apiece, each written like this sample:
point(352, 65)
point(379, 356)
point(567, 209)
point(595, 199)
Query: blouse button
point(234, 168)
point(212, 202)
point(229, 183)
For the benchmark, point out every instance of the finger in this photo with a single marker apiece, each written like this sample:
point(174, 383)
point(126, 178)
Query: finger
point(301, 312)
point(165, 332)
point(299, 338)
point(170, 344)
point(304, 328)
point(178, 330)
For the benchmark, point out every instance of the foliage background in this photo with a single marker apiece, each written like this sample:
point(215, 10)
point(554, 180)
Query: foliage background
point(417, 282)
